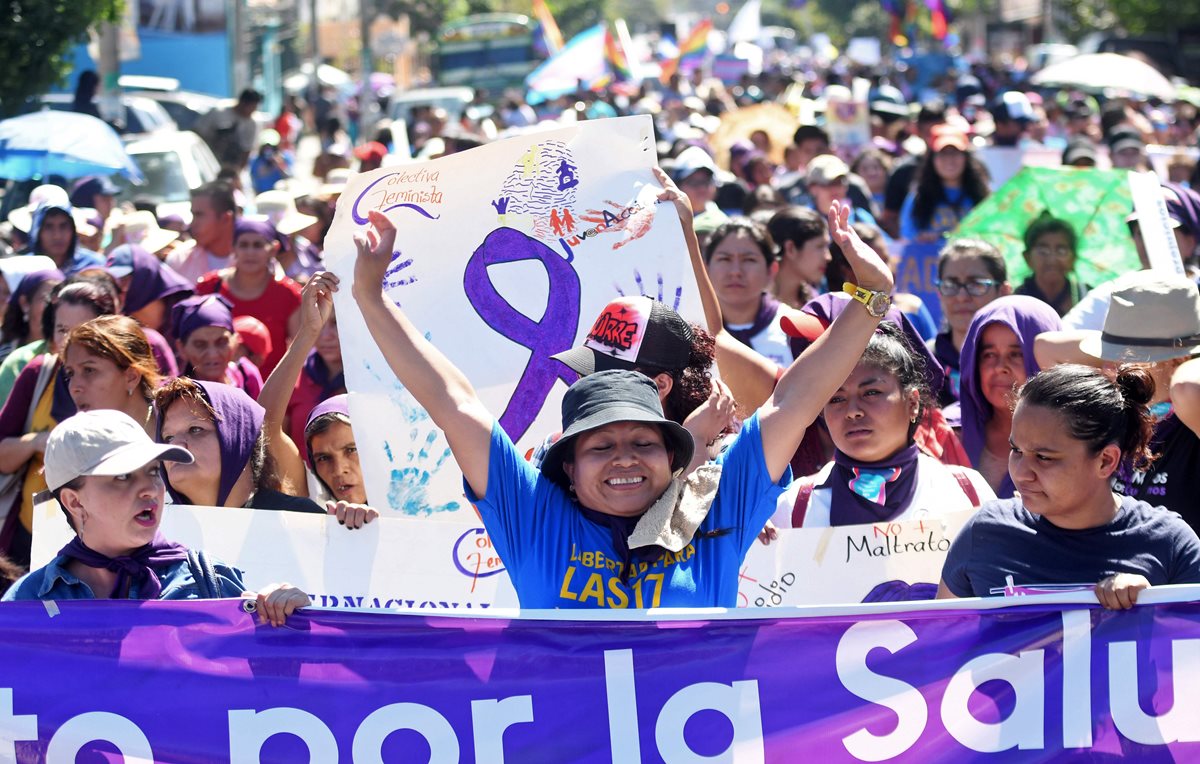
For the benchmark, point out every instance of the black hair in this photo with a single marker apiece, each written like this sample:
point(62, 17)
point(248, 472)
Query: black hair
point(691, 385)
point(977, 249)
point(1098, 409)
point(757, 233)
point(250, 95)
point(1046, 223)
point(15, 326)
point(795, 224)
point(889, 350)
point(809, 133)
point(97, 291)
point(219, 193)
point(74, 484)
point(930, 192)
point(932, 113)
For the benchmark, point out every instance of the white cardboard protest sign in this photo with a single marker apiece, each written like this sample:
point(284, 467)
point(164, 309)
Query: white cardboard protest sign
point(505, 255)
point(419, 564)
point(1162, 250)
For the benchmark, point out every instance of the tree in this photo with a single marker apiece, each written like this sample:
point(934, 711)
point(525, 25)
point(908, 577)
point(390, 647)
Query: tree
point(36, 41)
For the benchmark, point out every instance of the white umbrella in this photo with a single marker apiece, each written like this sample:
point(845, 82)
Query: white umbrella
point(1100, 71)
point(326, 75)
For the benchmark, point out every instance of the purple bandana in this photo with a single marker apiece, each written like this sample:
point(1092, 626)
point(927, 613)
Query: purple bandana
point(137, 566)
point(1027, 317)
point(239, 422)
point(198, 312)
point(261, 228)
point(149, 279)
point(871, 492)
point(338, 404)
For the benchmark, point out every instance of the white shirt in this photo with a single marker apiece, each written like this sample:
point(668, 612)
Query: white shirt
point(938, 493)
point(1090, 312)
point(195, 261)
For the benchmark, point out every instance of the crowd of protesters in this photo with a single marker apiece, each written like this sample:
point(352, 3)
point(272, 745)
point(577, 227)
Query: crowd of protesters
point(148, 362)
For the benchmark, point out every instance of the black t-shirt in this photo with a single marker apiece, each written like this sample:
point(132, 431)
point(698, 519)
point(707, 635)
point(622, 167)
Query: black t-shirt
point(1004, 540)
point(267, 499)
point(900, 183)
point(1173, 480)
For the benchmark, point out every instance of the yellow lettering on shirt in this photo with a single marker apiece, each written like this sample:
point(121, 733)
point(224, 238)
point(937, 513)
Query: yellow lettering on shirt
point(622, 601)
point(594, 588)
point(565, 592)
point(657, 578)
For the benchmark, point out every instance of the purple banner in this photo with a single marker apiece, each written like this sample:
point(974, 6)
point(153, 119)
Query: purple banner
point(202, 682)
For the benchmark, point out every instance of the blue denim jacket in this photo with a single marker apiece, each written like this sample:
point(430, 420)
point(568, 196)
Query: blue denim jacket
point(55, 582)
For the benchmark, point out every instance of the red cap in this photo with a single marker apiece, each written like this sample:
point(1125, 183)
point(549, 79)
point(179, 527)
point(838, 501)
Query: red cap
point(947, 136)
point(371, 150)
point(254, 335)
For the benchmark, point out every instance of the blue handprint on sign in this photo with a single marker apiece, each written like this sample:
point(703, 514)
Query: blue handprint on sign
point(409, 484)
point(677, 298)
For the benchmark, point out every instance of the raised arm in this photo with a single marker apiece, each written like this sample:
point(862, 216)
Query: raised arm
point(1185, 394)
point(813, 377)
point(749, 375)
point(1052, 348)
point(316, 306)
point(433, 380)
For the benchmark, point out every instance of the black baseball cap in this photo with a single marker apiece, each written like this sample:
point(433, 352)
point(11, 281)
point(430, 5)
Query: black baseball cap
point(633, 333)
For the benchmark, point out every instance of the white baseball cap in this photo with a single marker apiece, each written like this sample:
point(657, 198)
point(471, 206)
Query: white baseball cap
point(102, 442)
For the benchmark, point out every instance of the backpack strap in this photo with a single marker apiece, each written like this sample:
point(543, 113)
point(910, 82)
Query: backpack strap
point(964, 482)
point(800, 507)
point(207, 585)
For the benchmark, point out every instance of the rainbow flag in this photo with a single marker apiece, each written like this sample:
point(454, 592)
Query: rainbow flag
point(552, 38)
point(691, 52)
point(617, 60)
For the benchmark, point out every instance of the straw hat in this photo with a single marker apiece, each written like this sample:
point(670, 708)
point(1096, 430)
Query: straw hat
point(22, 217)
point(141, 228)
point(1152, 317)
point(280, 208)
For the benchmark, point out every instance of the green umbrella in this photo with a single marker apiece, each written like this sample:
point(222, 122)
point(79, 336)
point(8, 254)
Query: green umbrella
point(1094, 202)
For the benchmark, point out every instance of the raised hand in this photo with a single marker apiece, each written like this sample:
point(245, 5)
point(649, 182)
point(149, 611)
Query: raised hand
point(375, 248)
point(316, 302)
point(670, 192)
point(870, 270)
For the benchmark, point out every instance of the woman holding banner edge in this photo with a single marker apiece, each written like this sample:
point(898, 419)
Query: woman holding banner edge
point(606, 519)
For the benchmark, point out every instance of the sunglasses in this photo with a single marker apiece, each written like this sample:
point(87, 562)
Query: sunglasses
point(974, 287)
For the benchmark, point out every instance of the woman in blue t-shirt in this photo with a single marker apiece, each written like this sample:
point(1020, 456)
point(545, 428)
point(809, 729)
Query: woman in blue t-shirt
point(610, 520)
point(950, 182)
point(1073, 427)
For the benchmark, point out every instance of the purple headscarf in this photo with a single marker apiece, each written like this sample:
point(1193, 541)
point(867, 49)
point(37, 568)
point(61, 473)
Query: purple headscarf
point(338, 404)
point(830, 305)
point(198, 312)
point(262, 228)
point(1185, 208)
point(239, 422)
point(1027, 317)
point(150, 279)
point(30, 282)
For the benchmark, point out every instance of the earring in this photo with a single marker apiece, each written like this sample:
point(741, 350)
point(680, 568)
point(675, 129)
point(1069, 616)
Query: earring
point(129, 392)
point(571, 488)
point(913, 420)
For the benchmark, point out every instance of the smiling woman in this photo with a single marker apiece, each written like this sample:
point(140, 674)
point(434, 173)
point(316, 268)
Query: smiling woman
point(611, 519)
point(1072, 429)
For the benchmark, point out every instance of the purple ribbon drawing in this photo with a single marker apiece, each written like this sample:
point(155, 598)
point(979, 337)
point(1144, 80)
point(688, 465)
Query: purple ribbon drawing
point(554, 333)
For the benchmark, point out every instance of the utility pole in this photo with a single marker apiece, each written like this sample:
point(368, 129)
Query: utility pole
point(110, 72)
point(366, 9)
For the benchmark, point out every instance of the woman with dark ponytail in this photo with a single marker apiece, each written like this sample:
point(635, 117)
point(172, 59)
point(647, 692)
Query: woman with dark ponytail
point(1073, 427)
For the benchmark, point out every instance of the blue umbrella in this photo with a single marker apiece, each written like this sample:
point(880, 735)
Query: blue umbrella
point(62, 143)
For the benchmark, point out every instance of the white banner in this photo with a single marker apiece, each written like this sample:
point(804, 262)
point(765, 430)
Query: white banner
point(414, 564)
point(505, 255)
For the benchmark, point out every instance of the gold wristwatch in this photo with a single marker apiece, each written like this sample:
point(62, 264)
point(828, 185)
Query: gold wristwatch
point(877, 303)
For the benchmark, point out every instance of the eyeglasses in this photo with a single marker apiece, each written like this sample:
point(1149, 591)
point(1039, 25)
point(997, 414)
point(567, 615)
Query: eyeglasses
point(974, 287)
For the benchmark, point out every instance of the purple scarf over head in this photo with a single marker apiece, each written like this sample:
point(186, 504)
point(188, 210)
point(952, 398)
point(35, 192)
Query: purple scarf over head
point(149, 280)
point(318, 372)
point(262, 228)
point(137, 566)
point(31, 281)
point(239, 422)
point(338, 404)
point(830, 305)
point(871, 492)
point(1027, 317)
point(198, 312)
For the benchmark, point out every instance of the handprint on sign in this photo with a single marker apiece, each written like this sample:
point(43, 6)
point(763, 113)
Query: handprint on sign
point(633, 221)
point(661, 294)
point(394, 276)
point(408, 485)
